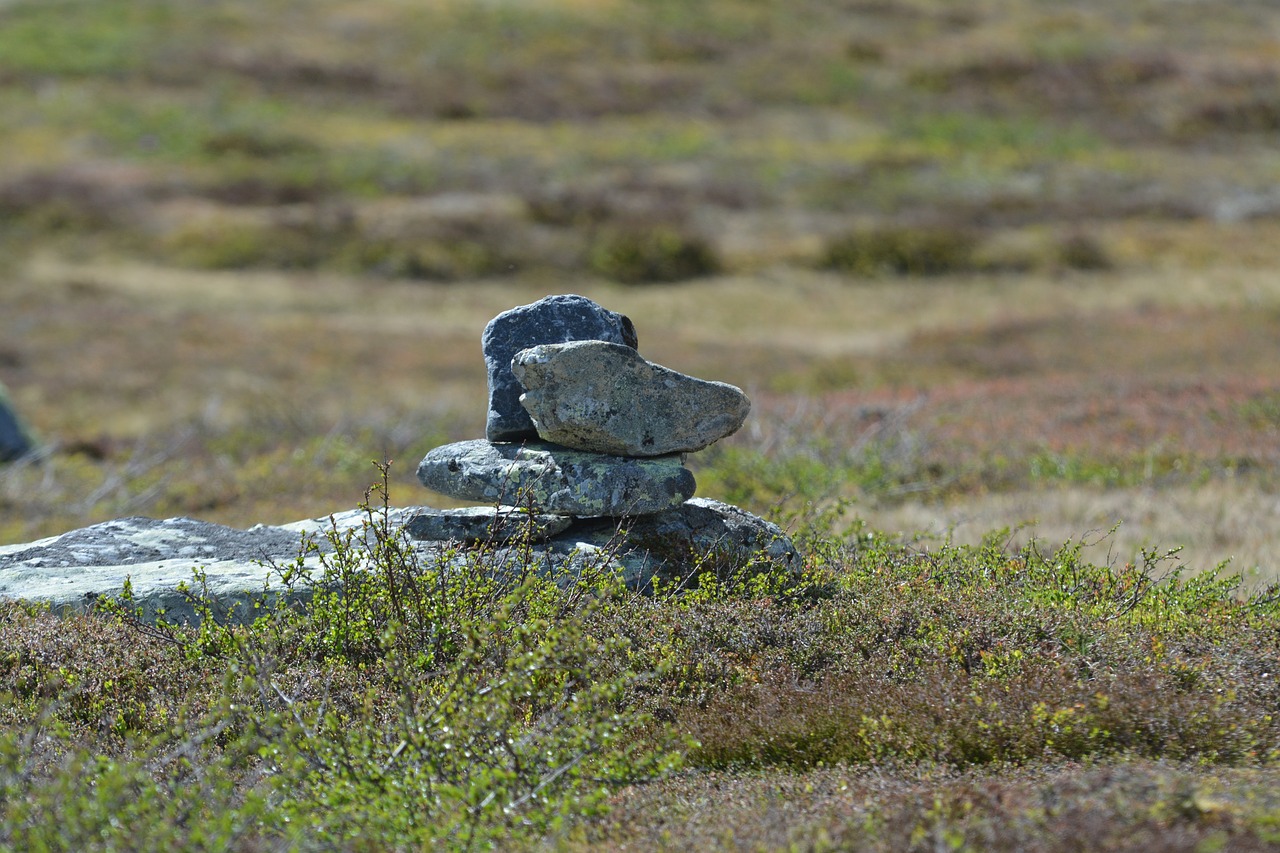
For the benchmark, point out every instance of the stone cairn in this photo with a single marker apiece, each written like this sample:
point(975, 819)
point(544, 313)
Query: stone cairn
point(584, 451)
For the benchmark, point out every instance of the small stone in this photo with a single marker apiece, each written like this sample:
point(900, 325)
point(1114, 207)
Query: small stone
point(15, 441)
point(483, 524)
point(556, 479)
point(553, 320)
point(606, 398)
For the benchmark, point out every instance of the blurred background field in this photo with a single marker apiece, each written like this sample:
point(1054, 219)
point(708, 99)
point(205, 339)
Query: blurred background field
point(1002, 264)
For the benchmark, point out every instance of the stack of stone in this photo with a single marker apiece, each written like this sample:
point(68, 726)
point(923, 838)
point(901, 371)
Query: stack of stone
point(582, 434)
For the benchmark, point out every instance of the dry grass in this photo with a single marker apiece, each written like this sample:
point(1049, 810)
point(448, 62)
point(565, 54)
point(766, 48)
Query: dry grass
point(1221, 520)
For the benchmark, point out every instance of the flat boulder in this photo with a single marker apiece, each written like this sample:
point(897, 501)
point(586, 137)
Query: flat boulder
point(141, 540)
point(605, 398)
point(499, 524)
point(554, 319)
point(556, 479)
point(155, 556)
point(238, 569)
point(718, 530)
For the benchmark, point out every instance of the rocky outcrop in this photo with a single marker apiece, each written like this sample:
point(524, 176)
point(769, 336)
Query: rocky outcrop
point(553, 320)
point(75, 571)
point(606, 398)
point(555, 479)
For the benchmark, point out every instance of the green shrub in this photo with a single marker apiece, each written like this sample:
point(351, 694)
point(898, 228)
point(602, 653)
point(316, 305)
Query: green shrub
point(902, 251)
point(179, 796)
point(940, 715)
point(432, 260)
point(974, 656)
point(243, 245)
point(651, 254)
point(1082, 252)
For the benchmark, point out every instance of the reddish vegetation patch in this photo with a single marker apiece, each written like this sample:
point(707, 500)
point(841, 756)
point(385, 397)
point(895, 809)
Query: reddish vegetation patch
point(1235, 422)
point(1162, 390)
point(1222, 418)
point(1142, 342)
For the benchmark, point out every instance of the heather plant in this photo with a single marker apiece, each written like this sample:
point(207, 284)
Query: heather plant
point(969, 656)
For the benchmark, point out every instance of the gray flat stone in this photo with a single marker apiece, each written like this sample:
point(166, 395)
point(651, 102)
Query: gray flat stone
point(556, 479)
point(74, 570)
point(141, 540)
point(553, 320)
point(483, 524)
point(606, 398)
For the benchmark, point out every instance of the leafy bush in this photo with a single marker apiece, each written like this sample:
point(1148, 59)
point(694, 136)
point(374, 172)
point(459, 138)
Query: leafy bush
point(651, 254)
point(434, 260)
point(902, 251)
point(1082, 252)
point(243, 245)
point(971, 656)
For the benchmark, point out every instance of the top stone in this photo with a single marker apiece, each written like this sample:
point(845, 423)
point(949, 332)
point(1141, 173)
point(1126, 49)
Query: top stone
point(604, 398)
point(553, 320)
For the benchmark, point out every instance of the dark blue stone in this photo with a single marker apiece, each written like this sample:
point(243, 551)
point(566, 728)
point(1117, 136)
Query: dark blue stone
point(553, 320)
point(14, 439)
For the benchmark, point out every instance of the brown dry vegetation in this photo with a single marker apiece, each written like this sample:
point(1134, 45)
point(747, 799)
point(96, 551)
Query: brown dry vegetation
point(1009, 266)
